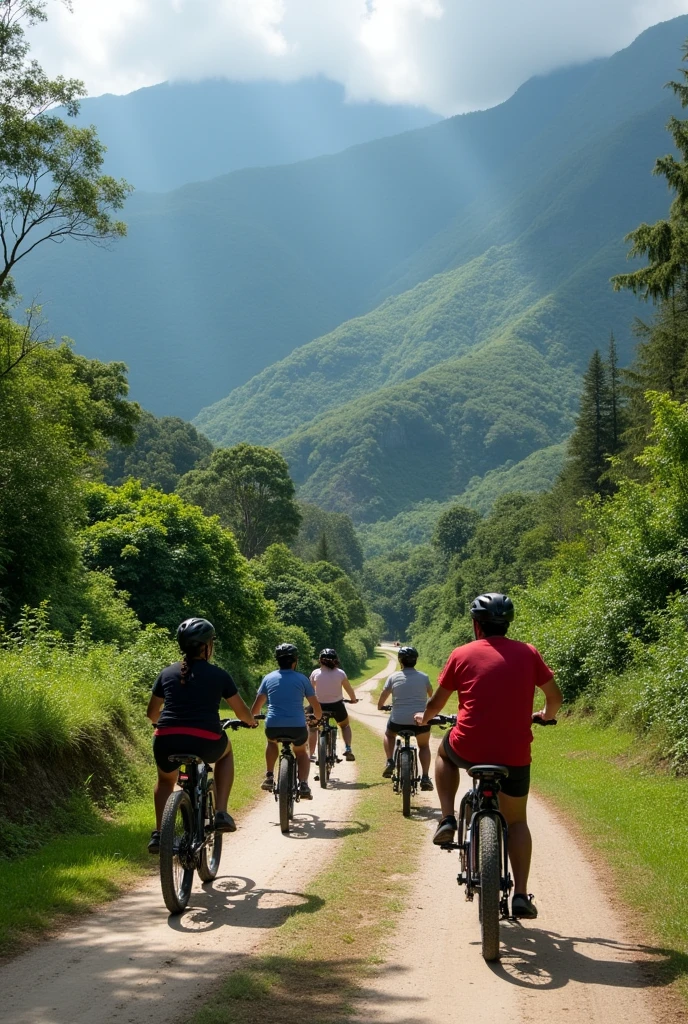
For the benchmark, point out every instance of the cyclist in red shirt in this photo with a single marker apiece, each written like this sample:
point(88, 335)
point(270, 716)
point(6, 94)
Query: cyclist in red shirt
point(495, 679)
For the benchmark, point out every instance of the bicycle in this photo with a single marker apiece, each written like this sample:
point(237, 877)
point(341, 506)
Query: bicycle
point(483, 845)
point(286, 785)
point(327, 746)
point(188, 840)
point(406, 775)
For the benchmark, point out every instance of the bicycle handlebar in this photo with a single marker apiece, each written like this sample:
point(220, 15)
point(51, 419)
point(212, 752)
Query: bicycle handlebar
point(443, 720)
point(236, 723)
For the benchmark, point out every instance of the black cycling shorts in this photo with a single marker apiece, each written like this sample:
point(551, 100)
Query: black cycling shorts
point(296, 734)
point(396, 727)
point(518, 782)
point(210, 750)
point(337, 709)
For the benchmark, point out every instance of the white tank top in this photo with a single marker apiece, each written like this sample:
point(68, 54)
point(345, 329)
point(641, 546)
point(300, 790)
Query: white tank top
point(328, 684)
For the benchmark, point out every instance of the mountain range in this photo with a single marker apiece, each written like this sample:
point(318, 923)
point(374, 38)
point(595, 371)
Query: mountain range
point(455, 279)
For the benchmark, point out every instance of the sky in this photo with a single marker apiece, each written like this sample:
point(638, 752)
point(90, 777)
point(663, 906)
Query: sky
point(449, 55)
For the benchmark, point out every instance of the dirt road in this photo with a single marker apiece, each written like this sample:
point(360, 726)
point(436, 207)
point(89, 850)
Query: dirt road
point(133, 963)
point(575, 963)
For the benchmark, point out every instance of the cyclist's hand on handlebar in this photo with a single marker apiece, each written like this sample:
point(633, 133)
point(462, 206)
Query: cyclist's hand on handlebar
point(354, 700)
point(539, 719)
point(418, 719)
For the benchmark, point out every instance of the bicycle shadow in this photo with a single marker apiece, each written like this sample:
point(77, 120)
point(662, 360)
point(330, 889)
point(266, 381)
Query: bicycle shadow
point(235, 901)
point(343, 784)
point(535, 958)
point(310, 826)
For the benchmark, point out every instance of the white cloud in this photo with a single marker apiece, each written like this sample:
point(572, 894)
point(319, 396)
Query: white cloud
point(451, 55)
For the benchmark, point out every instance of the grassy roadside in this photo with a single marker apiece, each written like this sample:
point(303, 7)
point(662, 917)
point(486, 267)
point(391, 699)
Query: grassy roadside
point(632, 815)
point(318, 961)
point(99, 857)
point(372, 667)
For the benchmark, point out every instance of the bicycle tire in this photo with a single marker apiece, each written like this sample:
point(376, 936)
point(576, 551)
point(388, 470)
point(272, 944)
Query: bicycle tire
point(176, 859)
point(293, 786)
point(284, 796)
point(488, 894)
point(405, 772)
point(210, 855)
point(323, 766)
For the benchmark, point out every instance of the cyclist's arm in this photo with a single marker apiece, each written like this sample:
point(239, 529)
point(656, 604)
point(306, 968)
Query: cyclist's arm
point(553, 701)
point(240, 709)
point(346, 685)
point(154, 708)
point(258, 703)
point(434, 706)
point(384, 697)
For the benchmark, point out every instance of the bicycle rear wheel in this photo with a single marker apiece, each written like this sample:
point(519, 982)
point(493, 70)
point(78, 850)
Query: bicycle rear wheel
point(176, 857)
point(284, 795)
point(322, 760)
point(210, 854)
point(405, 764)
point(488, 895)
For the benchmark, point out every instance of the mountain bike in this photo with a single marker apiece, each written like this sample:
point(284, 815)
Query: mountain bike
point(327, 746)
point(406, 775)
point(188, 840)
point(286, 785)
point(483, 845)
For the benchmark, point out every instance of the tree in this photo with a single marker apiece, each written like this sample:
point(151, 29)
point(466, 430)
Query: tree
point(250, 489)
point(163, 451)
point(343, 545)
point(174, 562)
point(592, 443)
point(322, 551)
point(454, 529)
point(51, 187)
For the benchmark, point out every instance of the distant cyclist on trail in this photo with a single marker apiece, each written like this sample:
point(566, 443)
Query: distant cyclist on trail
point(329, 682)
point(409, 690)
point(185, 709)
point(495, 679)
point(285, 690)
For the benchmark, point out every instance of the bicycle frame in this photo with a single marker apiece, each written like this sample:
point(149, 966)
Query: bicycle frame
point(483, 801)
point(195, 779)
point(413, 749)
point(287, 753)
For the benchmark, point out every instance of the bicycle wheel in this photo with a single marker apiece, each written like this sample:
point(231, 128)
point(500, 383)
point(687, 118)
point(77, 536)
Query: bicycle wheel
point(176, 857)
point(488, 895)
point(293, 786)
point(405, 772)
point(284, 793)
point(323, 767)
point(210, 854)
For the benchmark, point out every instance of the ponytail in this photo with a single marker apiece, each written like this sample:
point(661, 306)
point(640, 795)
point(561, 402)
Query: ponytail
point(189, 656)
point(186, 669)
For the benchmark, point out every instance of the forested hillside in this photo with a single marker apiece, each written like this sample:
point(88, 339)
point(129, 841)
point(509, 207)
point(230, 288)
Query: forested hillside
point(333, 236)
point(230, 125)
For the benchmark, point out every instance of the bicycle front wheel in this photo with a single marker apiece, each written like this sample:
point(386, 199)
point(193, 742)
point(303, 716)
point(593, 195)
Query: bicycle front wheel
point(322, 760)
point(210, 854)
point(284, 793)
point(176, 852)
point(488, 896)
point(405, 773)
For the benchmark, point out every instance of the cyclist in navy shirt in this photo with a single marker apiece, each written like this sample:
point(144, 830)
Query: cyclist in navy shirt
point(285, 691)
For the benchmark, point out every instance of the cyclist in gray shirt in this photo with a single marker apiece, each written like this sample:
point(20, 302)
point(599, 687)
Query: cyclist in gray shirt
point(409, 690)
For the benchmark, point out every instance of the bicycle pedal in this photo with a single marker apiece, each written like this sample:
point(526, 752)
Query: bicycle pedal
point(316, 778)
point(338, 760)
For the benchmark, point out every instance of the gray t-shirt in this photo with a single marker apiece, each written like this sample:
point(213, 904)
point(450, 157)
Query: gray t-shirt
point(409, 694)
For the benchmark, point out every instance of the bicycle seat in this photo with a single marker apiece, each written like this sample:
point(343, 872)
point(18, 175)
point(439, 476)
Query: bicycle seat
point(488, 771)
point(185, 759)
point(282, 739)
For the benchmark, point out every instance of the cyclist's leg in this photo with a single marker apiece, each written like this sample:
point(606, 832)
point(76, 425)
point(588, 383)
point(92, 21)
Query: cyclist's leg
point(446, 781)
point(224, 777)
point(520, 842)
point(388, 742)
point(271, 752)
point(303, 761)
point(164, 788)
point(312, 740)
point(424, 755)
point(345, 726)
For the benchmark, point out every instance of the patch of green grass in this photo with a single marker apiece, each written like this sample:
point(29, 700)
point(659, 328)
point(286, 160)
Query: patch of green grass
point(101, 856)
point(372, 667)
point(314, 973)
point(632, 814)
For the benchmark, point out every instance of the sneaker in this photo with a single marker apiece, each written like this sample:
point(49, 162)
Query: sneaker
point(268, 782)
point(349, 754)
point(154, 843)
point(522, 906)
point(224, 822)
point(445, 831)
point(426, 784)
point(305, 791)
point(389, 770)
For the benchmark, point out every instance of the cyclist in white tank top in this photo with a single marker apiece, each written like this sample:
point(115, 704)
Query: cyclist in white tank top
point(329, 682)
point(409, 690)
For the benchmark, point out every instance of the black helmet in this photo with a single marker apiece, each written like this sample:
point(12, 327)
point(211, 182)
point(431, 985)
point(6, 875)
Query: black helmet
point(286, 651)
point(496, 609)
point(408, 654)
point(328, 654)
point(194, 632)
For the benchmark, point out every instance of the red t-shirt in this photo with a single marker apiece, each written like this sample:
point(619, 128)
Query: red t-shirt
point(495, 679)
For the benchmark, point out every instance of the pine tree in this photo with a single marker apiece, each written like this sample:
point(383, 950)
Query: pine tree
point(591, 443)
point(322, 551)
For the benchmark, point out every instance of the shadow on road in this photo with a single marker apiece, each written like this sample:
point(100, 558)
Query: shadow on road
point(538, 959)
point(310, 826)
point(236, 902)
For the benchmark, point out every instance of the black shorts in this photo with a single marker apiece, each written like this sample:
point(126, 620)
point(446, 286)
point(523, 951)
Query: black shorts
point(518, 782)
point(296, 734)
point(337, 709)
point(417, 730)
point(210, 750)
